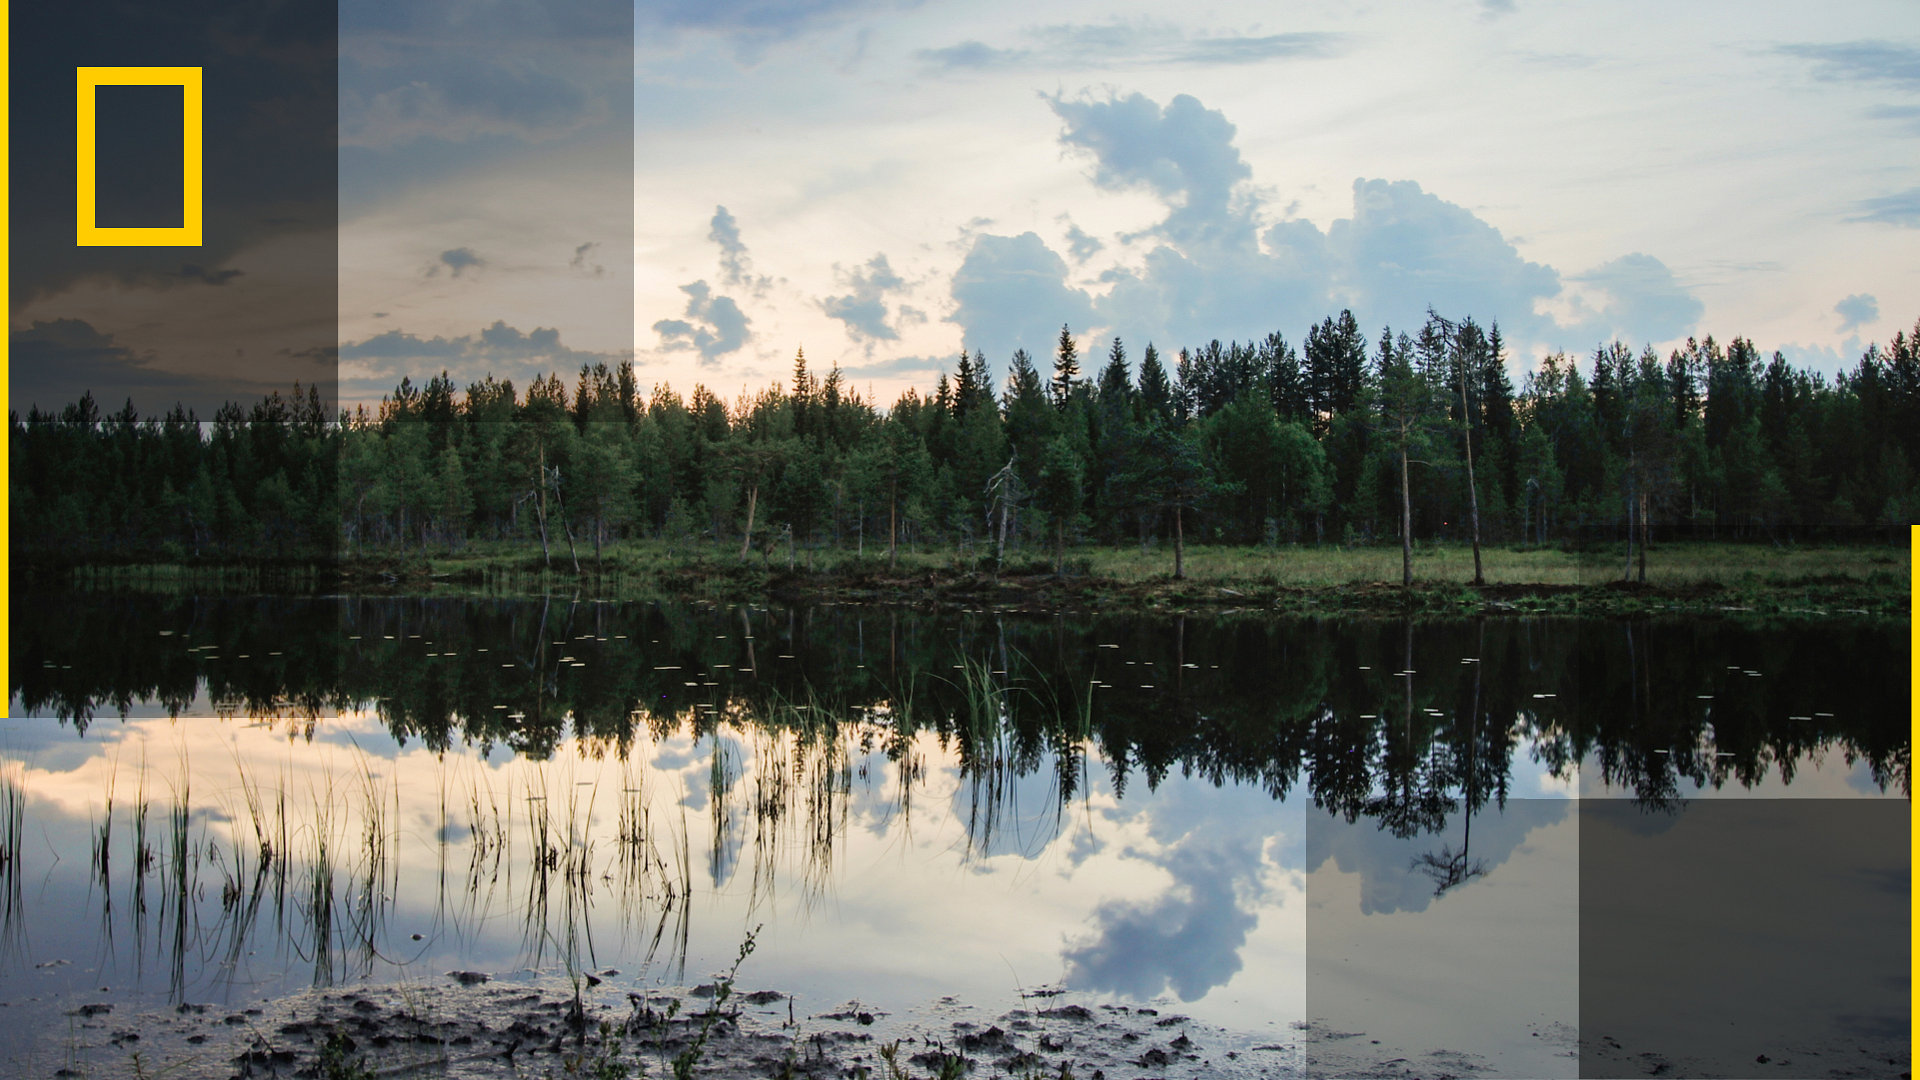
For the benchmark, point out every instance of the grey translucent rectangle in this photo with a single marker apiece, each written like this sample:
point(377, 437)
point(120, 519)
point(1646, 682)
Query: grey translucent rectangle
point(1745, 938)
point(1445, 951)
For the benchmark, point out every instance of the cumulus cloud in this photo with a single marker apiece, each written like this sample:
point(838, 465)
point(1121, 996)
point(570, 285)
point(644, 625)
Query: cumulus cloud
point(1011, 292)
point(1644, 300)
point(1184, 153)
point(713, 325)
point(1856, 311)
point(1214, 269)
point(459, 260)
point(863, 308)
point(1188, 938)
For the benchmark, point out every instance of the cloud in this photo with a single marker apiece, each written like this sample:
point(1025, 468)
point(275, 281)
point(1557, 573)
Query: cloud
point(1908, 116)
point(1900, 208)
point(1386, 864)
point(972, 56)
point(754, 20)
point(714, 325)
point(1861, 61)
point(470, 97)
point(863, 310)
point(1497, 8)
point(1827, 359)
point(1405, 249)
point(443, 72)
point(1128, 44)
point(898, 367)
point(1856, 311)
point(1214, 270)
point(1082, 245)
point(497, 349)
point(54, 361)
point(1189, 938)
point(1249, 50)
point(1646, 302)
point(1011, 292)
point(1184, 153)
point(579, 260)
point(458, 260)
point(736, 266)
point(194, 272)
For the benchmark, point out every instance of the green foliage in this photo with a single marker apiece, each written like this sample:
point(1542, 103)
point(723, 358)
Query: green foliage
point(337, 1060)
point(1243, 442)
point(684, 1062)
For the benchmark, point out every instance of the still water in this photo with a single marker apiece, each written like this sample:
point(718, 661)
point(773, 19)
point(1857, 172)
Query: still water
point(1344, 840)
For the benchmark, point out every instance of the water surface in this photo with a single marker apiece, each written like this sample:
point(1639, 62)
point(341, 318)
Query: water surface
point(1284, 827)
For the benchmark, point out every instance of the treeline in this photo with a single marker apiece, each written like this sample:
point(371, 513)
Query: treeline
point(1342, 440)
point(1297, 708)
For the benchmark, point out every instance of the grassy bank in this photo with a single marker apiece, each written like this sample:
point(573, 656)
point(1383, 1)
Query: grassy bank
point(1692, 577)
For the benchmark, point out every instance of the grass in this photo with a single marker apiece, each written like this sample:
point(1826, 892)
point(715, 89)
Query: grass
point(13, 824)
point(1331, 579)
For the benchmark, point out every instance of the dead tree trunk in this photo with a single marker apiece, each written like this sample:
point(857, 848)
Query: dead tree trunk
point(746, 537)
point(1406, 521)
point(1179, 545)
point(1473, 490)
point(566, 523)
point(1646, 533)
point(540, 510)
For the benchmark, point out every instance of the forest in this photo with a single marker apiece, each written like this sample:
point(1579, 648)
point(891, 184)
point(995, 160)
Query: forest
point(1398, 439)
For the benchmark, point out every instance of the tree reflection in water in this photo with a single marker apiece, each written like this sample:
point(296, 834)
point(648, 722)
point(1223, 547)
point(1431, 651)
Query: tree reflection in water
point(799, 713)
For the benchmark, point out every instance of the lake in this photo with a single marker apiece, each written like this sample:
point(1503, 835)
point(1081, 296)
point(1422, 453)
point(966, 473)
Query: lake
point(1510, 846)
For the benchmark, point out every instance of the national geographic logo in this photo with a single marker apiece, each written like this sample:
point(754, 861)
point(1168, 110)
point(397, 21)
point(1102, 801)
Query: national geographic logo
point(135, 188)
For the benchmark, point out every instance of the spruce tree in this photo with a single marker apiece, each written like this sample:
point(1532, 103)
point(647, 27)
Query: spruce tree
point(1066, 368)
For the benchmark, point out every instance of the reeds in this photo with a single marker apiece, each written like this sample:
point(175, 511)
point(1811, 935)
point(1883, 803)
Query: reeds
point(13, 828)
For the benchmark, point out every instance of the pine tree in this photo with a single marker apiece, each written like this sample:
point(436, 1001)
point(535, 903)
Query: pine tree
point(1116, 385)
point(1156, 390)
point(1066, 368)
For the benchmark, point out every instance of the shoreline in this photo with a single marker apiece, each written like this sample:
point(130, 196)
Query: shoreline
point(471, 1026)
point(1817, 597)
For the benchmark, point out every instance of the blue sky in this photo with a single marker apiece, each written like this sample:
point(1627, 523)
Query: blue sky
point(880, 181)
point(903, 178)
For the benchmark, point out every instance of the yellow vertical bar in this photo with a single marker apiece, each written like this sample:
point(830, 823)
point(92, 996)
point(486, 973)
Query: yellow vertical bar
point(193, 157)
point(86, 92)
point(6, 338)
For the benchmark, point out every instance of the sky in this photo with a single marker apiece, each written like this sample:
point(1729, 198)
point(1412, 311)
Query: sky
point(880, 182)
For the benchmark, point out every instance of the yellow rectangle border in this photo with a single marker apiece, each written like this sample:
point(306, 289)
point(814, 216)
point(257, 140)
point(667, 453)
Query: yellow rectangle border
point(187, 234)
